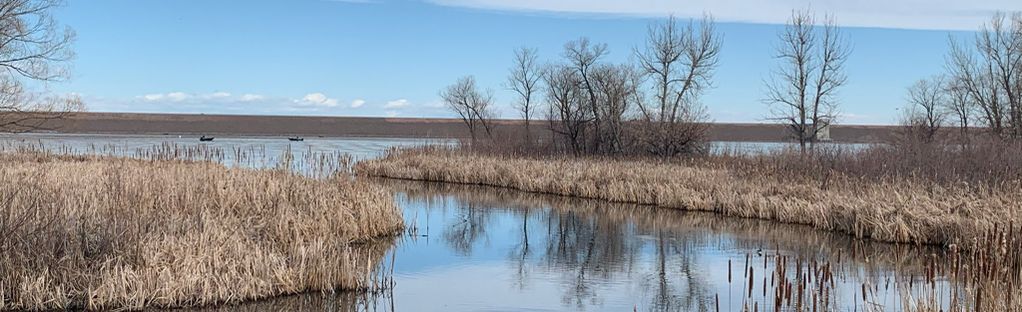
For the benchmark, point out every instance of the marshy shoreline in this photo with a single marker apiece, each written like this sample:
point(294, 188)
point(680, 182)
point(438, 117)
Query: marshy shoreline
point(98, 232)
point(890, 210)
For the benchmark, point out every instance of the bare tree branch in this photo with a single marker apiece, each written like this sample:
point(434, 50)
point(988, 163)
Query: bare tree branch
point(680, 64)
point(473, 106)
point(802, 91)
point(33, 49)
point(524, 81)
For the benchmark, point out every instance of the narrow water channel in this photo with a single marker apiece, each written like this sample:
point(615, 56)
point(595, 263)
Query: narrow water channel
point(471, 248)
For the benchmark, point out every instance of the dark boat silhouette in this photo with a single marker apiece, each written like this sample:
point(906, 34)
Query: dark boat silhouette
point(205, 139)
point(296, 139)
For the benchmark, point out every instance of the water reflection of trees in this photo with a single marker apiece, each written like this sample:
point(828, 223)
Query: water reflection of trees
point(471, 227)
point(590, 243)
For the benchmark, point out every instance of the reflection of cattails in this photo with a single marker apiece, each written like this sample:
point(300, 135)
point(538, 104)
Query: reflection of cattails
point(764, 286)
point(751, 274)
point(746, 274)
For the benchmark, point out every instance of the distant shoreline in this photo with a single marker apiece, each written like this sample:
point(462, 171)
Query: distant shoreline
point(382, 127)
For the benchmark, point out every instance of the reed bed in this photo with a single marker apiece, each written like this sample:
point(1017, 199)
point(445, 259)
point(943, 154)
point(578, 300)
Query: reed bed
point(97, 232)
point(886, 210)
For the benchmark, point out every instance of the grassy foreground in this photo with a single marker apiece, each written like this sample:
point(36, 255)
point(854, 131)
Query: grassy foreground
point(890, 210)
point(111, 233)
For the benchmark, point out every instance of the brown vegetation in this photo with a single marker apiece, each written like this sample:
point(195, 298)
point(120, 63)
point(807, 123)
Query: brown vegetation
point(102, 233)
point(823, 190)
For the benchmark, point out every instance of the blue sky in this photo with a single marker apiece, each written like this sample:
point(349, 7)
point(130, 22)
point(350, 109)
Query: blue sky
point(391, 57)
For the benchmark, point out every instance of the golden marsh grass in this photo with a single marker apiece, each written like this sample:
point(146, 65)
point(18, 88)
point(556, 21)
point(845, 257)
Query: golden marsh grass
point(889, 210)
point(115, 233)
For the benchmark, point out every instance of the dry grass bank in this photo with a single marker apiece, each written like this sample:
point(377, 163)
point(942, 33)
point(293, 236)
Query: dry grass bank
point(102, 233)
point(888, 209)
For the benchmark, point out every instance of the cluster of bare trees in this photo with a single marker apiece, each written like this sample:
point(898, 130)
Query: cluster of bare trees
point(680, 64)
point(983, 86)
point(34, 50)
point(653, 107)
point(596, 107)
point(589, 98)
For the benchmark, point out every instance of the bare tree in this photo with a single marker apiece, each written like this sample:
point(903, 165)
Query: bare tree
point(960, 106)
point(568, 114)
point(583, 56)
point(33, 48)
point(616, 87)
point(991, 74)
point(524, 81)
point(926, 114)
point(473, 106)
point(680, 63)
point(802, 91)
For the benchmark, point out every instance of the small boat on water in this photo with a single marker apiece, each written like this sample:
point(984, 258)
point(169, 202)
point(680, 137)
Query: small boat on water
point(296, 139)
point(205, 139)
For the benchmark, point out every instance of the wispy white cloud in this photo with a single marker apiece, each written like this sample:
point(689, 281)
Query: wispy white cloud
point(173, 97)
point(221, 102)
point(317, 99)
point(910, 14)
point(178, 96)
point(402, 103)
point(251, 97)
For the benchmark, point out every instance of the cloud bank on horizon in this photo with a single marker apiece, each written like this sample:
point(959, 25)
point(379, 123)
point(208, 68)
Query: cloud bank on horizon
point(901, 14)
point(315, 103)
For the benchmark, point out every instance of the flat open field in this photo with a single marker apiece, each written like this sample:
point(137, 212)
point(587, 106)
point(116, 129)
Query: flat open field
point(241, 125)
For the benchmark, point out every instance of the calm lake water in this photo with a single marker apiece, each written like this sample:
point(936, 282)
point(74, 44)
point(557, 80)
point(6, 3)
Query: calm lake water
point(470, 248)
point(270, 148)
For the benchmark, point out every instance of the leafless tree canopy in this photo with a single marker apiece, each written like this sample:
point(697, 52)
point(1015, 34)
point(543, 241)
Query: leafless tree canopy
point(567, 114)
point(34, 49)
point(990, 74)
point(524, 81)
point(590, 100)
point(959, 106)
point(679, 62)
point(595, 107)
point(583, 56)
point(615, 87)
point(803, 88)
point(473, 106)
point(926, 112)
